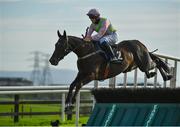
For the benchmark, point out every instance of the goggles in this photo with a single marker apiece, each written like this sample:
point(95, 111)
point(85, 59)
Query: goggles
point(92, 16)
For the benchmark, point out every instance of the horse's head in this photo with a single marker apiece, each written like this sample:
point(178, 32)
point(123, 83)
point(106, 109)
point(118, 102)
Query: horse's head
point(61, 49)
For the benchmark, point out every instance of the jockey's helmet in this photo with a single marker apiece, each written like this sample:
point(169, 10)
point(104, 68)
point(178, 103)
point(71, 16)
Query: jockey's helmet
point(93, 13)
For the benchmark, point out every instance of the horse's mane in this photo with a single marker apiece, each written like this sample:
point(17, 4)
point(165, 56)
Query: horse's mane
point(76, 38)
point(80, 40)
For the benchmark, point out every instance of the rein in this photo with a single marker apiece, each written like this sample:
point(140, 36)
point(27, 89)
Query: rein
point(90, 54)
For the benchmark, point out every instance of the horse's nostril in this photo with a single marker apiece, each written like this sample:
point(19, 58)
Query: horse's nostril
point(53, 61)
point(50, 60)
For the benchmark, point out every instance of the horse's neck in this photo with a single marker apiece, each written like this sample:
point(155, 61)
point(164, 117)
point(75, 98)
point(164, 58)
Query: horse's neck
point(80, 47)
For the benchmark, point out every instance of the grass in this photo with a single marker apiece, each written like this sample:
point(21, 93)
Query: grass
point(37, 120)
point(40, 121)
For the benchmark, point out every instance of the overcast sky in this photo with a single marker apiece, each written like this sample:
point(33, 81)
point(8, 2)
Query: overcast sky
point(31, 25)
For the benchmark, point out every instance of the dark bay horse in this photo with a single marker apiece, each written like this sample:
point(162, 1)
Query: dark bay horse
point(93, 66)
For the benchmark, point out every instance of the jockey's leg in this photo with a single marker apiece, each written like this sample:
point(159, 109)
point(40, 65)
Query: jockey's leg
point(106, 42)
point(107, 48)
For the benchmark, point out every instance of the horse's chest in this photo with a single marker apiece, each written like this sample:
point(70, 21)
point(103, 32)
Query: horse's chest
point(86, 67)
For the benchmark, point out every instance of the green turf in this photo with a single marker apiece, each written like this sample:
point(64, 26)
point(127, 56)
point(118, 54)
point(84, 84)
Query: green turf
point(41, 120)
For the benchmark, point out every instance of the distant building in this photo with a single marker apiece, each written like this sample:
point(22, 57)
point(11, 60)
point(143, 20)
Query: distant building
point(7, 81)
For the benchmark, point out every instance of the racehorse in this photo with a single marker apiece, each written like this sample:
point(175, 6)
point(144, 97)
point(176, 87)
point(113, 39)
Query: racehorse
point(92, 65)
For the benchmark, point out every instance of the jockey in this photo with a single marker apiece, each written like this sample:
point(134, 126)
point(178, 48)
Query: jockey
point(106, 34)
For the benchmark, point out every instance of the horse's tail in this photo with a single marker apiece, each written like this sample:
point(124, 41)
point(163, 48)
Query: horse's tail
point(160, 62)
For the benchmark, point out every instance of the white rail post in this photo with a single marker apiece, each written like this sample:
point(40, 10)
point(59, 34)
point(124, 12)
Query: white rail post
point(165, 83)
point(172, 80)
point(95, 86)
point(155, 79)
point(135, 77)
point(145, 80)
point(125, 80)
point(174, 73)
point(77, 109)
point(63, 107)
point(95, 83)
point(112, 82)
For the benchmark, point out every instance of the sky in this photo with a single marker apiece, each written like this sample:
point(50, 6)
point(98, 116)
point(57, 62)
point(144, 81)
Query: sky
point(31, 25)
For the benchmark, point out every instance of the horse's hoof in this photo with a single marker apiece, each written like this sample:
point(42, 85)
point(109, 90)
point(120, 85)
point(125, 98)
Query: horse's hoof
point(168, 77)
point(68, 111)
point(152, 74)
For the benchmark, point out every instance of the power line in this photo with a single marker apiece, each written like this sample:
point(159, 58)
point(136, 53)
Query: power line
point(41, 73)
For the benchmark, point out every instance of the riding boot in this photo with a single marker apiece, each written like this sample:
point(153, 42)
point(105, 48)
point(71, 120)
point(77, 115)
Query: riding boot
point(107, 48)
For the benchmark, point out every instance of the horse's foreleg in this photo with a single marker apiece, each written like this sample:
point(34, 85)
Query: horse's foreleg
point(71, 88)
point(79, 86)
point(69, 106)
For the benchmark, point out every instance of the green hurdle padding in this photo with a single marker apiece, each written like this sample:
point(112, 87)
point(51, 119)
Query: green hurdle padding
point(136, 107)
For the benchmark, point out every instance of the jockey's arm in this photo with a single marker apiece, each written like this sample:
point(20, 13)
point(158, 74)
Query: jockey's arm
point(102, 30)
point(89, 33)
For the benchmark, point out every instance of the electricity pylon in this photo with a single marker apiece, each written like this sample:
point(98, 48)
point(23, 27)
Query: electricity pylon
point(46, 77)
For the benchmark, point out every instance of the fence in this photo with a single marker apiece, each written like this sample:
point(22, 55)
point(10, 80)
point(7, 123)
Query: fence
point(23, 90)
point(26, 90)
point(167, 59)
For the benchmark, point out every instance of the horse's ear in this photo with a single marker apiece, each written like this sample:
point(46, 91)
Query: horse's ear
point(64, 34)
point(59, 35)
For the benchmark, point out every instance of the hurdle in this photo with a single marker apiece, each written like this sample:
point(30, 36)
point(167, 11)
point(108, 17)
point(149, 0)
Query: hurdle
point(136, 107)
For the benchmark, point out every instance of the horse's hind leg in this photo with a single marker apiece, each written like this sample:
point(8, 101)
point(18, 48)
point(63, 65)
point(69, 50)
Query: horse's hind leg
point(160, 63)
point(152, 65)
point(162, 66)
point(164, 74)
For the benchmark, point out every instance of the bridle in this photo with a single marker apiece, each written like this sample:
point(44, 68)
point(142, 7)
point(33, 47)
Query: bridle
point(69, 48)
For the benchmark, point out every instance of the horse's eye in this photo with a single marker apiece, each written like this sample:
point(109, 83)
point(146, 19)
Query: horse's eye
point(65, 44)
point(58, 43)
